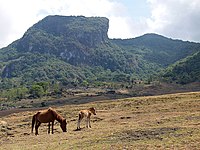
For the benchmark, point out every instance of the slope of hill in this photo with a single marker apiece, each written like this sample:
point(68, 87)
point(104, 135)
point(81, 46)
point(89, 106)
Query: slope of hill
point(72, 49)
point(184, 71)
point(159, 49)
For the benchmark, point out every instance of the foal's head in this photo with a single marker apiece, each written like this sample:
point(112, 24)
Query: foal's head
point(92, 109)
point(63, 125)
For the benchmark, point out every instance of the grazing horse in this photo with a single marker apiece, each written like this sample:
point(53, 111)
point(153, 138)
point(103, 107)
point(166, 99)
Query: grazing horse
point(85, 113)
point(47, 116)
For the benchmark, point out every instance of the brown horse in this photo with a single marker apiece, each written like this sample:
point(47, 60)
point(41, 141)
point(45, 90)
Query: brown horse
point(85, 113)
point(47, 116)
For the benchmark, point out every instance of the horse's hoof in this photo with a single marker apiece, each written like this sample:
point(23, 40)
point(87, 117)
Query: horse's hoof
point(78, 129)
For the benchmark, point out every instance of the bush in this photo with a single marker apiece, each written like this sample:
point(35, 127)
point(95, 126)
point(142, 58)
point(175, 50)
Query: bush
point(15, 93)
point(37, 91)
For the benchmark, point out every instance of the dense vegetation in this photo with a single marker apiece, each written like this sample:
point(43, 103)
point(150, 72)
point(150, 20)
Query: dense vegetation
point(76, 51)
point(184, 71)
point(158, 49)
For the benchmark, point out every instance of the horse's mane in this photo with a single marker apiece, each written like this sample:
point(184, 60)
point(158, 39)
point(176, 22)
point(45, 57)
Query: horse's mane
point(58, 117)
point(91, 109)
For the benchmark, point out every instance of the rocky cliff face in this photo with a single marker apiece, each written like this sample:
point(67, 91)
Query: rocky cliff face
point(62, 33)
point(89, 31)
point(68, 37)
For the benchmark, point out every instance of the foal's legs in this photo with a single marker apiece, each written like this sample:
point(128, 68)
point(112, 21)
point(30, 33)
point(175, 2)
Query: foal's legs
point(87, 122)
point(88, 125)
point(78, 124)
point(79, 121)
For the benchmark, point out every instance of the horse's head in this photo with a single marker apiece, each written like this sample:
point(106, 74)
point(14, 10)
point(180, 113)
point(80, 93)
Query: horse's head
point(63, 125)
point(93, 110)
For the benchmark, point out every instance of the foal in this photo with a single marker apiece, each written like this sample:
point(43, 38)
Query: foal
point(47, 116)
point(85, 113)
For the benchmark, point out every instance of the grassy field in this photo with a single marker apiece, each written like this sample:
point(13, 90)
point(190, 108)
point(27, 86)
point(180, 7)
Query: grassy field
point(154, 122)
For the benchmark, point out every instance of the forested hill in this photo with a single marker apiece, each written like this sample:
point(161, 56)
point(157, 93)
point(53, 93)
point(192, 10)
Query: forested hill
point(159, 49)
point(184, 71)
point(76, 50)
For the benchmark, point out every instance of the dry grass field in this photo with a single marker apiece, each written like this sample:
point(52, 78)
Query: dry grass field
point(153, 122)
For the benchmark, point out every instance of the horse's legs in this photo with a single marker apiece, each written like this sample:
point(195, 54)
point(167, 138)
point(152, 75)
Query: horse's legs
point(49, 128)
point(88, 120)
point(89, 123)
point(36, 127)
point(79, 121)
point(78, 124)
point(52, 127)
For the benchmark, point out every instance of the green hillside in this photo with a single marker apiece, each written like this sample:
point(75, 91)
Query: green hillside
point(159, 49)
point(184, 71)
point(77, 51)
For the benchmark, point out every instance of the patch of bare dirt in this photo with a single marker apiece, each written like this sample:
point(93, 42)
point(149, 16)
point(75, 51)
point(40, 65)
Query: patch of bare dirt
point(147, 134)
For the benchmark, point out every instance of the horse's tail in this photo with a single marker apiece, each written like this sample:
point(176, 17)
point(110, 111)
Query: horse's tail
point(33, 123)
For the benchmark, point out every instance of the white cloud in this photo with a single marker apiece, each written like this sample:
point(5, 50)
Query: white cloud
point(5, 25)
point(119, 27)
point(17, 16)
point(176, 19)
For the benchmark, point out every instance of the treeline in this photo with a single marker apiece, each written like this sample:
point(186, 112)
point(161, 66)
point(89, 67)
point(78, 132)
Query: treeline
point(58, 89)
point(37, 90)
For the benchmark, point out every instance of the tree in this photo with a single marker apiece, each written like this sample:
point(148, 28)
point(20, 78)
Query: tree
point(37, 91)
point(56, 88)
point(44, 85)
point(85, 83)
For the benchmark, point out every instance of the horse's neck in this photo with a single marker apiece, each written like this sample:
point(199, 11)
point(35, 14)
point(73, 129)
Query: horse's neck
point(57, 116)
point(91, 111)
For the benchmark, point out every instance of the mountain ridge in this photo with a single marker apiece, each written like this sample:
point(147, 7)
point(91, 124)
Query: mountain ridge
point(168, 49)
point(81, 46)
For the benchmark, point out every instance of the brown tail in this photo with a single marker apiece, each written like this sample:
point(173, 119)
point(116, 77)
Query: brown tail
point(33, 123)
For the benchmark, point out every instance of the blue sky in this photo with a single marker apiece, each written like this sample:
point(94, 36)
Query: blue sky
point(137, 8)
point(178, 19)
